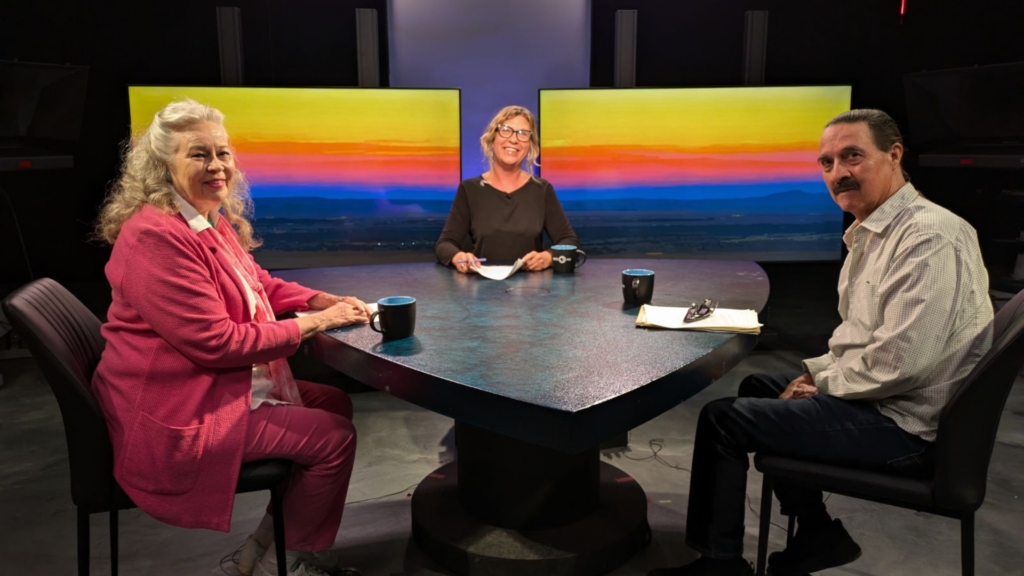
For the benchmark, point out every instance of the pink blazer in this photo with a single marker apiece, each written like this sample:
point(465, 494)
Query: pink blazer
point(175, 379)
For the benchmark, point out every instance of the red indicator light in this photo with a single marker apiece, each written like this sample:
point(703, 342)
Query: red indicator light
point(966, 161)
point(24, 163)
point(903, 7)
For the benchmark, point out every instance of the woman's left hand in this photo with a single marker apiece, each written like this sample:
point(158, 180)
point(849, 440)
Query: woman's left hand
point(537, 260)
point(324, 301)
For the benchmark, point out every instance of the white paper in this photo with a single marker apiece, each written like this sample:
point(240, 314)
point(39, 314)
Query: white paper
point(721, 320)
point(371, 305)
point(498, 272)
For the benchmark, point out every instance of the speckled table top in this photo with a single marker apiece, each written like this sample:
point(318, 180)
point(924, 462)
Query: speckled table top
point(564, 342)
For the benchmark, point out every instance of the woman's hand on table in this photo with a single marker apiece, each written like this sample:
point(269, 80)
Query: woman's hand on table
point(344, 314)
point(463, 262)
point(335, 316)
point(324, 301)
point(537, 260)
point(335, 312)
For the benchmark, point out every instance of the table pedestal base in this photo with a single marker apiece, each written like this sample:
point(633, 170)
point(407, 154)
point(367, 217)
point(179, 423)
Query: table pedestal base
point(595, 543)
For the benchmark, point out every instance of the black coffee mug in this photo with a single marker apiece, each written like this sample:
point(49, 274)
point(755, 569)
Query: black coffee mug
point(566, 258)
point(397, 317)
point(637, 286)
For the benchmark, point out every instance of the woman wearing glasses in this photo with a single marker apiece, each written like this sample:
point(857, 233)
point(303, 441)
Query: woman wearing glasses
point(506, 210)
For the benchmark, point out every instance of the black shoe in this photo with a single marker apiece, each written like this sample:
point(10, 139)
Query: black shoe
point(814, 550)
point(708, 567)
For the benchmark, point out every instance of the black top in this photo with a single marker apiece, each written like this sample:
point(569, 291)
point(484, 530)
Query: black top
point(503, 226)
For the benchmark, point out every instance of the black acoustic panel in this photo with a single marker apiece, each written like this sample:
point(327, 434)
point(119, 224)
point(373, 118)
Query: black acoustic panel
point(308, 42)
point(625, 48)
point(755, 46)
point(229, 40)
point(367, 49)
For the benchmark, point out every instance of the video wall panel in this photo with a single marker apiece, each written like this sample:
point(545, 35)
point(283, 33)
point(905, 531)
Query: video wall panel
point(694, 172)
point(338, 176)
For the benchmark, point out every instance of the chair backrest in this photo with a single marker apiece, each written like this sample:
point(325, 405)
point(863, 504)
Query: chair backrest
point(64, 337)
point(968, 423)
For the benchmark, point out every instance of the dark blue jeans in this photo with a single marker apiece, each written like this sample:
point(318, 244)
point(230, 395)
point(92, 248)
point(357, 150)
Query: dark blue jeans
point(821, 428)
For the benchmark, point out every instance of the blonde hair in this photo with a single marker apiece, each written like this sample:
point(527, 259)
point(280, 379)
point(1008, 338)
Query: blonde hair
point(504, 115)
point(147, 159)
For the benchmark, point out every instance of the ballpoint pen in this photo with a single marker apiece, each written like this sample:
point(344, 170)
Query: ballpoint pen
point(474, 260)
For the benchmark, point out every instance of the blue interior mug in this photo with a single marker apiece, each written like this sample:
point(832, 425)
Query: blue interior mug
point(566, 258)
point(637, 286)
point(397, 316)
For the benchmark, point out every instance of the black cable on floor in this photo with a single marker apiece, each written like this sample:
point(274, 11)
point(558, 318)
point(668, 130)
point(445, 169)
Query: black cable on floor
point(758, 516)
point(656, 445)
point(232, 560)
point(384, 496)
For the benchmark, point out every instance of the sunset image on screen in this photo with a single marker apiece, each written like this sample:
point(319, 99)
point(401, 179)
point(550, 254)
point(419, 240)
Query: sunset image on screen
point(726, 171)
point(335, 169)
point(354, 143)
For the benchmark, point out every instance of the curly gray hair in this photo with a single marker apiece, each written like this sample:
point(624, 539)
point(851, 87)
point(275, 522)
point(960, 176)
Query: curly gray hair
point(147, 158)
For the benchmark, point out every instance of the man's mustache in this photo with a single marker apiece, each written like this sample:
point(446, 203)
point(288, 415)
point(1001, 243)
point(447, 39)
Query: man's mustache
point(846, 184)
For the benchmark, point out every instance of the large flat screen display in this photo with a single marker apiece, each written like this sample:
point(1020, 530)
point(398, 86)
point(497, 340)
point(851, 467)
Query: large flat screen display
point(694, 172)
point(338, 176)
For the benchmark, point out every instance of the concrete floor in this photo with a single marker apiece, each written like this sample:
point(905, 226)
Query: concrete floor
point(400, 443)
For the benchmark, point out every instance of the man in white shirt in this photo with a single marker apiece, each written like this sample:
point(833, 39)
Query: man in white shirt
point(916, 318)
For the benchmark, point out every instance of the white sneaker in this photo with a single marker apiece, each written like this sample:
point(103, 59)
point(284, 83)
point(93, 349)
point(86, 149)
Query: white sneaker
point(250, 555)
point(300, 568)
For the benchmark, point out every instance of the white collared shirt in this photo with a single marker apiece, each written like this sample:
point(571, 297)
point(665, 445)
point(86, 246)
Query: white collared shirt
point(261, 381)
point(916, 316)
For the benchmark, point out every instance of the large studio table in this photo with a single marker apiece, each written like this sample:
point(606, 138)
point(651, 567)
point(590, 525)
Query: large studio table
point(536, 370)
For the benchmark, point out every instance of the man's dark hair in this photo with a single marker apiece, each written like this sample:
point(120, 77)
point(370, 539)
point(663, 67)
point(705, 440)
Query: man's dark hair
point(884, 130)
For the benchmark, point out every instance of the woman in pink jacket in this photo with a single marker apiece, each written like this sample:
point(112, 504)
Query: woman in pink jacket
point(193, 380)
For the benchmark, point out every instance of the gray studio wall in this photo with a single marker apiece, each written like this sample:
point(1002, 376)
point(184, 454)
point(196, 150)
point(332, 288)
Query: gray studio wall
point(498, 53)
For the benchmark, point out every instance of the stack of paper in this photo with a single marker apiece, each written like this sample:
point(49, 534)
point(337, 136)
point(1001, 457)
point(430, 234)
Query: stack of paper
point(721, 320)
point(498, 272)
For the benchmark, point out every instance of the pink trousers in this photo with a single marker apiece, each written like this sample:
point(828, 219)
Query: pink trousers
point(321, 442)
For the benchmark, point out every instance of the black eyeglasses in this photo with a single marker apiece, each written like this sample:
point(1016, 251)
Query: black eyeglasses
point(701, 311)
point(506, 132)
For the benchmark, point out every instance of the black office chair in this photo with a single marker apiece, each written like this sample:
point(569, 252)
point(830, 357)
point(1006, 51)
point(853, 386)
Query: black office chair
point(955, 488)
point(64, 337)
